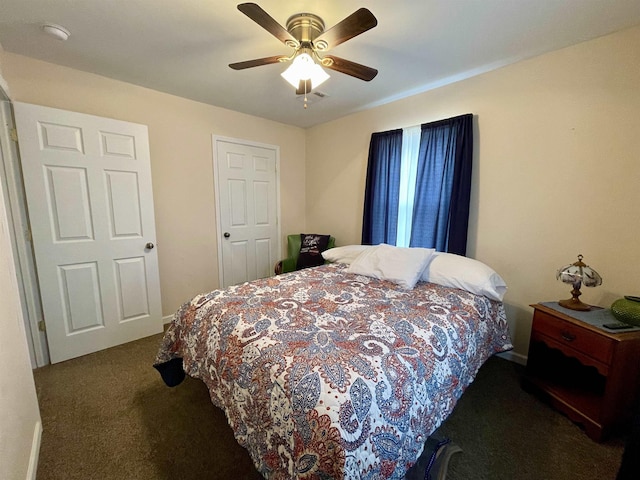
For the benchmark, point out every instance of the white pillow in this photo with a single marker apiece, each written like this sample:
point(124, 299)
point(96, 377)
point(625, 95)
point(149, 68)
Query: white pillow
point(466, 273)
point(399, 265)
point(346, 254)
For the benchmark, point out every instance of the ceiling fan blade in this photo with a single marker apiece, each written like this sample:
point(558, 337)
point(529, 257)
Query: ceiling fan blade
point(358, 22)
point(262, 18)
point(257, 62)
point(351, 68)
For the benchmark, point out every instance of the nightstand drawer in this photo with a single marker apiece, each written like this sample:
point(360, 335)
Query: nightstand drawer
point(577, 338)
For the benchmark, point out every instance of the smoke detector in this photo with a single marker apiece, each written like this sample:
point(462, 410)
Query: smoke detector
point(56, 31)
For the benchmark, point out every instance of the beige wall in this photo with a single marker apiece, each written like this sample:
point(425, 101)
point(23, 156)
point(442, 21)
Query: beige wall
point(556, 172)
point(181, 161)
point(20, 426)
point(556, 166)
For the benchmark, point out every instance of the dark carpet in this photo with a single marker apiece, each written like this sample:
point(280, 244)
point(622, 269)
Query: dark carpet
point(108, 416)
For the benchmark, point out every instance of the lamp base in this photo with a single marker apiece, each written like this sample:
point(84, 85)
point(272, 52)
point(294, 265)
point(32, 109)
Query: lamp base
point(574, 304)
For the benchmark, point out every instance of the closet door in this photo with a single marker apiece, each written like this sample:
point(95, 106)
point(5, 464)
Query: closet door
point(247, 200)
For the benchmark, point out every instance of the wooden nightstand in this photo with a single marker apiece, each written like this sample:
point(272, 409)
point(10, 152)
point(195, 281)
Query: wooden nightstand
point(589, 374)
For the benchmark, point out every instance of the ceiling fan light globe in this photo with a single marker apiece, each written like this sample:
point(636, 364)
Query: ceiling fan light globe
point(318, 76)
point(304, 68)
point(290, 77)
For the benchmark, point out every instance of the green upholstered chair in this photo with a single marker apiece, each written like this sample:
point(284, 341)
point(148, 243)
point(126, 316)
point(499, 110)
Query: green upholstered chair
point(293, 250)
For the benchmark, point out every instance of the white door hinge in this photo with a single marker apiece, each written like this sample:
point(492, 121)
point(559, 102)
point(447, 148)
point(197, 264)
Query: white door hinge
point(13, 134)
point(27, 235)
point(41, 326)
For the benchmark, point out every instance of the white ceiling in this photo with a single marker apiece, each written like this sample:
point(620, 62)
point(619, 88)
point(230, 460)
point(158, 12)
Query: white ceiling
point(183, 47)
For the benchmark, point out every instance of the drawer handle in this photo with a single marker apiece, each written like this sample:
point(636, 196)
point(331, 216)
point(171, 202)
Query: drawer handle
point(569, 337)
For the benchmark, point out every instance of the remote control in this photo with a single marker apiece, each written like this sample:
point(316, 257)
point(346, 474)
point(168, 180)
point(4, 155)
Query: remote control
point(616, 326)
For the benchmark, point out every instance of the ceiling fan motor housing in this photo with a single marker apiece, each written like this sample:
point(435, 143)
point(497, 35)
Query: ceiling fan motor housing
point(306, 27)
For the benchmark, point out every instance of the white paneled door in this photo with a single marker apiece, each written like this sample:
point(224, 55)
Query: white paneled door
point(88, 187)
point(247, 209)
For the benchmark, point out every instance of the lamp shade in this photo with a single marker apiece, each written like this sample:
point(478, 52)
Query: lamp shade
point(304, 68)
point(578, 274)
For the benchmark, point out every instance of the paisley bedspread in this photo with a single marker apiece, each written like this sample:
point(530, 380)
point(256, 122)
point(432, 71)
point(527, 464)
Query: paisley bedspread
point(328, 375)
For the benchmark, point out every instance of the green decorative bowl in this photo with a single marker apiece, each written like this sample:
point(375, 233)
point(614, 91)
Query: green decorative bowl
point(627, 311)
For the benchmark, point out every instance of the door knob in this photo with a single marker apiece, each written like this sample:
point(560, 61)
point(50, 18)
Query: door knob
point(227, 234)
point(149, 245)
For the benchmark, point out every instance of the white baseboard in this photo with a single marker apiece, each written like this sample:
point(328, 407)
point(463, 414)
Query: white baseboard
point(167, 319)
point(514, 357)
point(35, 451)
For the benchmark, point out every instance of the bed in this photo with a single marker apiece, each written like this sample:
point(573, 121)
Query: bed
point(326, 374)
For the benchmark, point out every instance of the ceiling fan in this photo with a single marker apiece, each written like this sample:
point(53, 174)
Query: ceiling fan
point(305, 33)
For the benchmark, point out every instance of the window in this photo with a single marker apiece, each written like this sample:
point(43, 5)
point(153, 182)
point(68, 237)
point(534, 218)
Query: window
point(418, 186)
point(408, 172)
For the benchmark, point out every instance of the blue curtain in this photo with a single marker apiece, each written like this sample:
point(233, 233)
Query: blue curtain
point(382, 190)
point(443, 185)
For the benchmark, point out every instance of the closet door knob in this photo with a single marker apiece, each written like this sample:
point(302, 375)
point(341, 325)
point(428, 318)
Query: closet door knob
point(227, 234)
point(149, 245)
